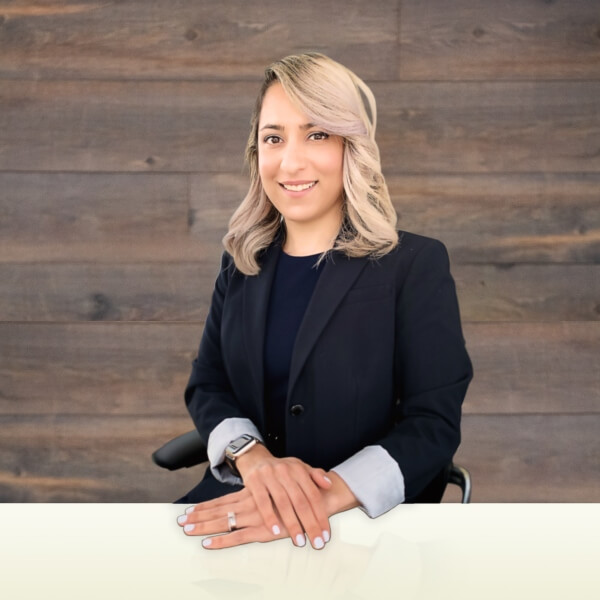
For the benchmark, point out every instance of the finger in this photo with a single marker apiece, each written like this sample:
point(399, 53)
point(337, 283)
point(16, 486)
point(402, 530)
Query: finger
point(216, 502)
point(308, 505)
point(220, 525)
point(265, 507)
point(240, 537)
point(319, 476)
point(279, 498)
point(246, 507)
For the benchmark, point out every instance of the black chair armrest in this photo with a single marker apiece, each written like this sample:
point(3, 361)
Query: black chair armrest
point(186, 450)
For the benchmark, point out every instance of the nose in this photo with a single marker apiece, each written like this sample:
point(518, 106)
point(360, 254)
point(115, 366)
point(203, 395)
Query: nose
point(293, 158)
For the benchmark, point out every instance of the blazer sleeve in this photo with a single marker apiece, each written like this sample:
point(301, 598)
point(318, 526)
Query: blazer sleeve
point(432, 370)
point(208, 394)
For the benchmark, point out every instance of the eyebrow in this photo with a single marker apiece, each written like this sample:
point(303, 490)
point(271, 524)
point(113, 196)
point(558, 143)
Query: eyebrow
point(281, 128)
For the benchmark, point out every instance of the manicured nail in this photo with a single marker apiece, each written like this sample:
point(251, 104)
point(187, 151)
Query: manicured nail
point(207, 542)
point(276, 530)
point(300, 540)
point(326, 479)
point(188, 528)
point(318, 543)
point(189, 510)
point(326, 535)
point(182, 519)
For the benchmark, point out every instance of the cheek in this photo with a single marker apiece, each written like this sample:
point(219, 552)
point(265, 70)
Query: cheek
point(267, 167)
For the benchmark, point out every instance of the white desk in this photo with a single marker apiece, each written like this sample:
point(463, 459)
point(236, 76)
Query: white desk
point(131, 551)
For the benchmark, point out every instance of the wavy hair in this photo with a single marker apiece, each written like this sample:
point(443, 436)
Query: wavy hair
point(340, 103)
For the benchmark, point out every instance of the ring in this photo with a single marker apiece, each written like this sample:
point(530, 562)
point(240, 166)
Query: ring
point(231, 521)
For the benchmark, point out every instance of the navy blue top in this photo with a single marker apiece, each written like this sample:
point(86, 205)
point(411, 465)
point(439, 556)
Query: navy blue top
point(293, 285)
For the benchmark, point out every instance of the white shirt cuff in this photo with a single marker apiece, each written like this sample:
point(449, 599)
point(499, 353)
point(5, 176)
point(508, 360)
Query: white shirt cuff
point(375, 478)
point(227, 431)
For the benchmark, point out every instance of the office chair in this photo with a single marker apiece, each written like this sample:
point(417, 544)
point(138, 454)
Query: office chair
point(188, 450)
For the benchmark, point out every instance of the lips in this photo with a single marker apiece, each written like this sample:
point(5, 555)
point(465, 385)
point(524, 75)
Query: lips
point(298, 186)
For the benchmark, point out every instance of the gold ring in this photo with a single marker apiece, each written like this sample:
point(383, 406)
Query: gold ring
point(231, 521)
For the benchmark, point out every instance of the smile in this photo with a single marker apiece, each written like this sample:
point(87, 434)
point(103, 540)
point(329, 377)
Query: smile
point(298, 188)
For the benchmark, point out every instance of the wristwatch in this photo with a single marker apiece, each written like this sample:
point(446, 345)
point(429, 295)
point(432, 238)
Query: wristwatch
point(237, 447)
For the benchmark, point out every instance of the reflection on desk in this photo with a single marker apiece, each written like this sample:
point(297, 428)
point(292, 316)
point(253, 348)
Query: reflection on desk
point(427, 552)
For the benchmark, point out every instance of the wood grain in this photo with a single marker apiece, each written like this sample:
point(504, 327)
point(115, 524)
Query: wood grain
point(528, 292)
point(534, 367)
point(77, 459)
point(178, 292)
point(515, 39)
point(489, 127)
point(182, 40)
point(532, 458)
point(124, 369)
point(108, 369)
point(96, 217)
point(486, 127)
point(504, 218)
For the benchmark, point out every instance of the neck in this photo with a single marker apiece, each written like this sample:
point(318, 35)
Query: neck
point(305, 239)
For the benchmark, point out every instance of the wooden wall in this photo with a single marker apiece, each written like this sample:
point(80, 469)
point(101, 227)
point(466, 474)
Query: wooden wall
point(122, 127)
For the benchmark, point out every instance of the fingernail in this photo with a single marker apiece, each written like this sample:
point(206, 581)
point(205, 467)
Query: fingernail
point(276, 530)
point(300, 540)
point(188, 528)
point(326, 479)
point(318, 543)
point(182, 519)
point(189, 510)
point(207, 542)
point(326, 535)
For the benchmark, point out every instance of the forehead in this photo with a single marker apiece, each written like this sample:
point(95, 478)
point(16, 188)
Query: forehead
point(277, 109)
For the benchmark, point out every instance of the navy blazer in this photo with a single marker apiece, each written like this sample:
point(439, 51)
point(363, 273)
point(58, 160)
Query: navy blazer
point(379, 359)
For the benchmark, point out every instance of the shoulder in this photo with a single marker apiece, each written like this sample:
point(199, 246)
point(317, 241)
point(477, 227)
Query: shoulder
point(414, 250)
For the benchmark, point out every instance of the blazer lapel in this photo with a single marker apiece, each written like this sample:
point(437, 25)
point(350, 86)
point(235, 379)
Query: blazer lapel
point(338, 276)
point(255, 305)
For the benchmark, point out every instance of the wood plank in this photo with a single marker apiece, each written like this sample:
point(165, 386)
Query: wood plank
point(534, 367)
point(124, 126)
point(482, 218)
point(489, 127)
point(99, 217)
point(92, 292)
point(532, 458)
point(96, 368)
point(515, 39)
point(512, 218)
point(190, 40)
point(142, 368)
point(202, 126)
point(77, 459)
point(512, 458)
point(528, 292)
point(176, 292)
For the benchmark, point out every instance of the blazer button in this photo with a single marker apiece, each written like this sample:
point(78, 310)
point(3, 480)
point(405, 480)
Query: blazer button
point(297, 410)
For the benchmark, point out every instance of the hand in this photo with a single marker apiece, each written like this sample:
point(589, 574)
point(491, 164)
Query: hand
point(291, 488)
point(209, 518)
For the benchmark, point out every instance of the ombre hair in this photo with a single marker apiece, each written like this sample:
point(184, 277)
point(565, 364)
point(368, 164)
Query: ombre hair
point(340, 103)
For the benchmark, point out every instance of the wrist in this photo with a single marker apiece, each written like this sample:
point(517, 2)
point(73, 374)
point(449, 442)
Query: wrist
point(339, 497)
point(247, 461)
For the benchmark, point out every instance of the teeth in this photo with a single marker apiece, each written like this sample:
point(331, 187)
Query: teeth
point(298, 188)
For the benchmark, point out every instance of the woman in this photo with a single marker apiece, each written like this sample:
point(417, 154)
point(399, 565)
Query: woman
point(332, 367)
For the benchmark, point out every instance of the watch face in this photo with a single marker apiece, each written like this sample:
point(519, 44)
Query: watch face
point(238, 444)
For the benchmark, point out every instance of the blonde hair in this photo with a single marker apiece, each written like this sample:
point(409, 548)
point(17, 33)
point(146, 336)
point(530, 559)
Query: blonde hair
point(338, 101)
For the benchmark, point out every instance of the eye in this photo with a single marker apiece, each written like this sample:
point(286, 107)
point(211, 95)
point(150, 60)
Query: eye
point(318, 135)
point(271, 139)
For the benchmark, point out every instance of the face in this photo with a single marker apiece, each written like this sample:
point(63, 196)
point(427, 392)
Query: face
point(300, 166)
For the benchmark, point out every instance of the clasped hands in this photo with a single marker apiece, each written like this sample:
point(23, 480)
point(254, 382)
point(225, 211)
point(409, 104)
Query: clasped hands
point(282, 497)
